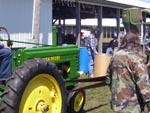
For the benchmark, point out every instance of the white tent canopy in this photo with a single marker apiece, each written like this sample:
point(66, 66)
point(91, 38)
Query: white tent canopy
point(136, 3)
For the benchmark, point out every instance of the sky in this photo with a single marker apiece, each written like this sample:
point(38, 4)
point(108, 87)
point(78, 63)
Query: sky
point(148, 1)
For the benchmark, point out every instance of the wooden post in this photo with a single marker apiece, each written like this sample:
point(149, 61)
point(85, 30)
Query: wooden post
point(118, 26)
point(78, 23)
point(100, 33)
point(36, 20)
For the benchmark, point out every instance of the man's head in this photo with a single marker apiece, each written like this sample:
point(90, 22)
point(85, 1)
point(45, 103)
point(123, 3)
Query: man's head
point(113, 44)
point(82, 34)
point(131, 41)
point(94, 30)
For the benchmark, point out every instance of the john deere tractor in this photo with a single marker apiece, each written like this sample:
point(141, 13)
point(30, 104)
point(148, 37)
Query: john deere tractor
point(37, 84)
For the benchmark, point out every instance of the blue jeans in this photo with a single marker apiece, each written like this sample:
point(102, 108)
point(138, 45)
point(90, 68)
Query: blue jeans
point(5, 63)
point(91, 62)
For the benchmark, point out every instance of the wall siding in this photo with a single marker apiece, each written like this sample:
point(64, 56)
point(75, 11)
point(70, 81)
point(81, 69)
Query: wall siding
point(16, 16)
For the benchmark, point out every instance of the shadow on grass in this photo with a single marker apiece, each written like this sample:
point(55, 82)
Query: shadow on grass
point(96, 107)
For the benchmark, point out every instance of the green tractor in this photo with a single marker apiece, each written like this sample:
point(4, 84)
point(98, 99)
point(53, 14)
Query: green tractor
point(38, 85)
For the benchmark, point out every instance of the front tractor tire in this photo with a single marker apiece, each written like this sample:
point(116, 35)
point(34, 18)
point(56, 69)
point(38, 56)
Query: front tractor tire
point(35, 87)
point(76, 101)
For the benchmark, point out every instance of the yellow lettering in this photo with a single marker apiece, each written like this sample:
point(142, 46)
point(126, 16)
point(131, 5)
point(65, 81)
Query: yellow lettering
point(53, 58)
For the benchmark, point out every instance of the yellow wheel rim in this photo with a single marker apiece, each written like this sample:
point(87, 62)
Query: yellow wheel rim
point(41, 95)
point(78, 102)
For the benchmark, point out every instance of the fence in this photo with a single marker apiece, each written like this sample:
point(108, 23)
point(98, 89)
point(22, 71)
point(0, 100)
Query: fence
point(23, 37)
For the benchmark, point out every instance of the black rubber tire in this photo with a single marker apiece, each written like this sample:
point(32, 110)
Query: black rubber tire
point(71, 101)
point(21, 77)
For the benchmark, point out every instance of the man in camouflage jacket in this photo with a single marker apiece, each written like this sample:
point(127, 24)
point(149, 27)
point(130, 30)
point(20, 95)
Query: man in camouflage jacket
point(130, 85)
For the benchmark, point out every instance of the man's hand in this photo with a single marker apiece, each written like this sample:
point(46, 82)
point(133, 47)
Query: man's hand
point(96, 52)
point(5, 46)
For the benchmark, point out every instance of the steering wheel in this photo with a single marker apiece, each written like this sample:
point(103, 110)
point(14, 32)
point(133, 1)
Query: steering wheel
point(9, 43)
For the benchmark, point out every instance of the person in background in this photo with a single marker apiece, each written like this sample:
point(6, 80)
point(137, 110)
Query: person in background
point(91, 44)
point(147, 44)
point(5, 61)
point(109, 49)
point(113, 45)
point(82, 39)
point(129, 80)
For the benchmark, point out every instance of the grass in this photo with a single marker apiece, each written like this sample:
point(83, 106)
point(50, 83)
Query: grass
point(97, 99)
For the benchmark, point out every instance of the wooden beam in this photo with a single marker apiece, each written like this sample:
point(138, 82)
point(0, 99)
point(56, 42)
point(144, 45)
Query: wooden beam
point(36, 20)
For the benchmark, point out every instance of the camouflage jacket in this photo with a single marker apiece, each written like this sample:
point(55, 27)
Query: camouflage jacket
point(129, 81)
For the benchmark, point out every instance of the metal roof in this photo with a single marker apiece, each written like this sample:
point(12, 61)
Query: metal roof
point(114, 3)
point(65, 9)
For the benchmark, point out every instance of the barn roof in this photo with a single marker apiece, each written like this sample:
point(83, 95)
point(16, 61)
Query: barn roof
point(65, 9)
point(112, 3)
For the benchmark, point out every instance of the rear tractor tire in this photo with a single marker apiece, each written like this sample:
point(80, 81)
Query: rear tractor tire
point(35, 87)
